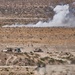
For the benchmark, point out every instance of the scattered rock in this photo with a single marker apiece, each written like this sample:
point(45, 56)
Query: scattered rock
point(38, 50)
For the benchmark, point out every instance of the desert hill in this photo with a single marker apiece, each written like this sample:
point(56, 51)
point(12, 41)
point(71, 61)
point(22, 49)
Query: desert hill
point(27, 11)
point(50, 51)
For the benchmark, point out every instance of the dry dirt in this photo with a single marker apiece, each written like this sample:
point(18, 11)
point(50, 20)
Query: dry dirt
point(57, 44)
point(51, 36)
point(51, 70)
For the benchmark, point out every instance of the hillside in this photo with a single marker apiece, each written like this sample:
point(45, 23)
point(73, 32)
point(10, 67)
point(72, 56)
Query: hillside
point(27, 11)
point(35, 50)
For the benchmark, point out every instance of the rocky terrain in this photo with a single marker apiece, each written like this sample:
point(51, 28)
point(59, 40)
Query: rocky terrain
point(27, 11)
point(51, 70)
point(35, 51)
point(37, 57)
point(40, 53)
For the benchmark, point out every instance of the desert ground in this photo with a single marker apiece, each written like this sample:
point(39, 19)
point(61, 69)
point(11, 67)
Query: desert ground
point(35, 51)
point(43, 51)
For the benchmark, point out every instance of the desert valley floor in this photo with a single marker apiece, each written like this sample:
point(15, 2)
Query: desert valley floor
point(44, 51)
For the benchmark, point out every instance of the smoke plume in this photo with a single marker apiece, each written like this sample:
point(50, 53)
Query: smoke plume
point(62, 18)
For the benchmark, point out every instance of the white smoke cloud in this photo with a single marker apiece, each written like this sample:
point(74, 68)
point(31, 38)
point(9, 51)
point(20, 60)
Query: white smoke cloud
point(60, 19)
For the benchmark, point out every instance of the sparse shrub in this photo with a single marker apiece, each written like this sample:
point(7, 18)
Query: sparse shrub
point(15, 62)
point(28, 74)
point(45, 58)
point(27, 69)
point(11, 73)
point(40, 63)
point(36, 56)
point(60, 61)
point(73, 61)
point(5, 58)
point(51, 60)
point(31, 73)
point(31, 53)
point(27, 54)
point(6, 69)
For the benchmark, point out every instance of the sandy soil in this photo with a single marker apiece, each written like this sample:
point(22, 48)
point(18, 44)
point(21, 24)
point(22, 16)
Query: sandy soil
point(51, 36)
point(58, 44)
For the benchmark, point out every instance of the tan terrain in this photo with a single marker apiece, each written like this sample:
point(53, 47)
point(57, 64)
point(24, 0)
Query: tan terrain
point(34, 51)
point(46, 47)
point(27, 11)
point(51, 36)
